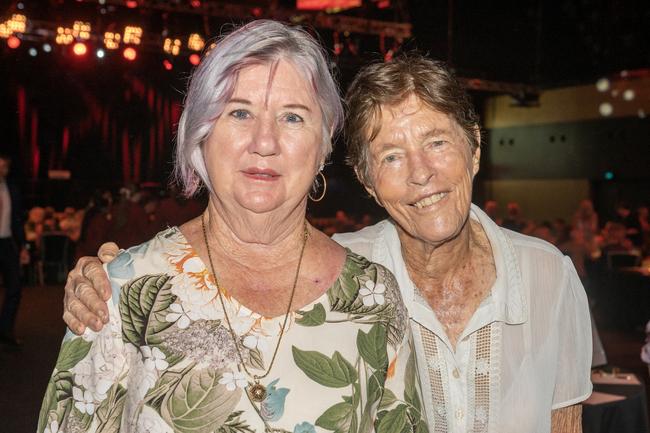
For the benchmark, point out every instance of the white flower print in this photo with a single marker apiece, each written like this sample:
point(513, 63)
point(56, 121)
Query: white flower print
point(193, 264)
point(482, 366)
point(372, 294)
point(178, 315)
point(52, 428)
point(233, 380)
point(83, 400)
point(154, 359)
point(255, 342)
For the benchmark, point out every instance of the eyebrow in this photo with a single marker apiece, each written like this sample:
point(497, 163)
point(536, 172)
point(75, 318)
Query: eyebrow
point(247, 102)
point(433, 132)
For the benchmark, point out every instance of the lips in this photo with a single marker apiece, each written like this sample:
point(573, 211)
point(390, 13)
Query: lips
point(261, 173)
point(430, 200)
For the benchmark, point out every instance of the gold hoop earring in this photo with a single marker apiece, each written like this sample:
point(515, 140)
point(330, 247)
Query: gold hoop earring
point(324, 189)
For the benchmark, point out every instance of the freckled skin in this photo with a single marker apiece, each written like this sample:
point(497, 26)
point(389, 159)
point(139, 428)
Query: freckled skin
point(418, 153)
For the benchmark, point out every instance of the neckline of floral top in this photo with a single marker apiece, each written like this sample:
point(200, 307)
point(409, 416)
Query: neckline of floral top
point(200, 267)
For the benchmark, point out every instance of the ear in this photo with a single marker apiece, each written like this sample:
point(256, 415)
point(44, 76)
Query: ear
point(476, 161)
point(476, 157)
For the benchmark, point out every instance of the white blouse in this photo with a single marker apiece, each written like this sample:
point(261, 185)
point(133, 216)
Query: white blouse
point(525, 351)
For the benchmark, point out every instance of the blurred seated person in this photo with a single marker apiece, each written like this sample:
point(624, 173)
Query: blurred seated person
point(175, 209)
point(644, 223)
point(585, 219)
point(491, 208)
point(96, 223)
point(544, 231)
point(514, 220)
point(129, 219)
point(70, 223)
point(627, 218)
point(579, 250)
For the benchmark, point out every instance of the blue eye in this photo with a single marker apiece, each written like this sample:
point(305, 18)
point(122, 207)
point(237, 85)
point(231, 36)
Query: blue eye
point(390, 158)
point(240, 114)
point(293, 118)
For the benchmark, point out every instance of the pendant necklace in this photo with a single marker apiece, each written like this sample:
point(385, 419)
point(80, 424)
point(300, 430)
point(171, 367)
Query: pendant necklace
point(256, 391)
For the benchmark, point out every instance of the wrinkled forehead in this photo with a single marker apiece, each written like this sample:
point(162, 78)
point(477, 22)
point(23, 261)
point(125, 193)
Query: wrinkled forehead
point(276, 74)
point(429, 118)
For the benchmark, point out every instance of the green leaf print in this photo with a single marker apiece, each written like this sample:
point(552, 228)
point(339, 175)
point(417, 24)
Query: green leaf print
point(255, 359)
point(334, 372)
point(345, 289)
point(199, 403)
point(72, 351)
point(372, 347)
point(49, 402)
point(411, 385)
point(143, 306)
point(394, 421)
point(315, 317)
point(337, 417)
point(234, 425)
point(388, 399)
point(109, 412)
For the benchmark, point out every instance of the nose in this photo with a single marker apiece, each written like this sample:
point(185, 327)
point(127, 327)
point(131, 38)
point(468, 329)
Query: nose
point(421, 169)
point(265, 140)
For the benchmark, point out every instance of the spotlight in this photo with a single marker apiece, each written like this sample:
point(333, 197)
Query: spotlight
point(131, 4)
point(47, 48)
point(80, 49)
point(100, 53)
point(20, 5)
point(130, 54)
point(32, 52)
point(195, 59)
point(13, 42)
point(168, 65)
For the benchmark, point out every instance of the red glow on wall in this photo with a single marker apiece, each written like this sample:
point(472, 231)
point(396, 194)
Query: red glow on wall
point(65, 143)
point(13, 42)
point(36, 154)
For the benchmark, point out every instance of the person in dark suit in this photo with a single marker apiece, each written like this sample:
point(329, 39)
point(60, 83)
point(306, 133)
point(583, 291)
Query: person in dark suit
point(12, 252)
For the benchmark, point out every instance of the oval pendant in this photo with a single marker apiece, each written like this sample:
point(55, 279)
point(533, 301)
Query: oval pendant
point(257, 392)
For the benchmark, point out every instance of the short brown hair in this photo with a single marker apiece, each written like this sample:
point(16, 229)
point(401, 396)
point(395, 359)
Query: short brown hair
point(390, 84)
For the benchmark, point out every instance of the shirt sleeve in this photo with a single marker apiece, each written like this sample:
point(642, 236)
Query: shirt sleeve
point(87, 389)
point(573, 378)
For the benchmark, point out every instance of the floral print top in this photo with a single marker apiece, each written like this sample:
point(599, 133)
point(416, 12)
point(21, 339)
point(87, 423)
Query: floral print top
point(166, 362)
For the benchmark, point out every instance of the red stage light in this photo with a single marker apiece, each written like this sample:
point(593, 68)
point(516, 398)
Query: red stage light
point(131, 4)
point(80, 49)
point(195, 59)
point(13, 42)
point(195, 3)
point(130, 53)
point(168, 65)
point(257, 12)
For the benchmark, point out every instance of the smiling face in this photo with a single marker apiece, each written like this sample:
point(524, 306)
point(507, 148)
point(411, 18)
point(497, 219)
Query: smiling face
point(266, 146)
point(421, 170)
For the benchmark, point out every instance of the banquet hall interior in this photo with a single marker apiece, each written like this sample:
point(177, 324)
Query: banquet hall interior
point(92, 92)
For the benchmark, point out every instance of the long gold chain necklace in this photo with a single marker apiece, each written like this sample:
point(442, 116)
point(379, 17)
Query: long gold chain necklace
point(256, 391)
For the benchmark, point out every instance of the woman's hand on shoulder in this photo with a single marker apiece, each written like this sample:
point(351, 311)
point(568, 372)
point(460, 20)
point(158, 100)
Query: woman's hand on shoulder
point(86, 291)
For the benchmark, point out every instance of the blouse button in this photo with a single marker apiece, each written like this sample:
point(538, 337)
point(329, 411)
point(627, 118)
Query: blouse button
point(456, 373)
point(459, 414)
